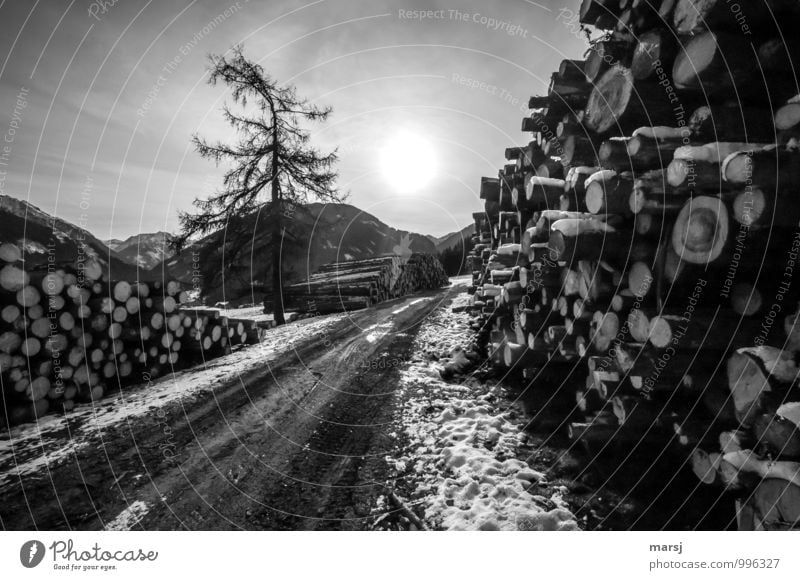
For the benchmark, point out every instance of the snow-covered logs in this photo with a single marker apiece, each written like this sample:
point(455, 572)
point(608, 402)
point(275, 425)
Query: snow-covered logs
point(647, 277)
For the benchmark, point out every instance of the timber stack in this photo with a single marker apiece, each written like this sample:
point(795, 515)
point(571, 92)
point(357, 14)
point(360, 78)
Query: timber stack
point(637, 256)
point(70, 336)
point(356, 284)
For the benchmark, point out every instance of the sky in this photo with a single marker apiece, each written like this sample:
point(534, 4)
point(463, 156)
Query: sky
point(99, 99)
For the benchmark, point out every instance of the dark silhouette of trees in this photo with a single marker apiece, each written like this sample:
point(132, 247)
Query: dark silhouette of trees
point(454, 258)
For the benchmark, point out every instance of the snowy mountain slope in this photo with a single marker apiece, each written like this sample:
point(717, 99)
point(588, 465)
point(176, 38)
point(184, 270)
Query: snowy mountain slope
point(42, 235)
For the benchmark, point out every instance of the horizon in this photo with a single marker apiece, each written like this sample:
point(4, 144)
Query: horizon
point(104, 99)
point(146, 233)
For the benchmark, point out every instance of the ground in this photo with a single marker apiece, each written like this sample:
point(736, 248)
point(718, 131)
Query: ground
point(335, 422)
point(290, 434)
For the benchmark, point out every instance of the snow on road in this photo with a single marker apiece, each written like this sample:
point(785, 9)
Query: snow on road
point(128, 517)
point(462, 454)
point(30, 448)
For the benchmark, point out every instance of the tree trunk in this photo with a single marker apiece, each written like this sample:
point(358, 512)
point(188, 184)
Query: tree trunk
point(277, 286)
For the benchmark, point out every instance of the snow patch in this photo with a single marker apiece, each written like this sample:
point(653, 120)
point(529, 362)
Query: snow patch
point(463, 454)
point(128, 517)
point(30, 448)
point(410, 304)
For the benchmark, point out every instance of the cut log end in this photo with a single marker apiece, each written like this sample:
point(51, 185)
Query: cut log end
point(701, 230)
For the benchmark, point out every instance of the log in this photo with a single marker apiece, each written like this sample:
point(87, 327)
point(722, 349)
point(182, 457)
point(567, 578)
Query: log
point(746, 19)
point(648, 152)
point(701, 230)
point(542, 192)
point(716, 64)
point(655, 49)
point(787, 117)
point(769, 169)
point(13, 278)
point(747, 384)
point(748, 461)
point(605, 54)
point(777, 435)
point(490, 188)
point(715, 152)
point(10, 253)
point(591, 10)
point(617, 105)
point(578, 150)
point(695, 175)
point(740, 123)
point(574, 240)
point(609, 196)
point(572, 70)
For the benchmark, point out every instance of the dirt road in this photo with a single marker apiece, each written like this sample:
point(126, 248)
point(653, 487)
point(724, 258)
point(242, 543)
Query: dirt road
point(297, 442)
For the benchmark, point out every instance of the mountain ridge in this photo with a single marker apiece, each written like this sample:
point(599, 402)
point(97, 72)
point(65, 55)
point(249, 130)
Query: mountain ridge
point(328, 232)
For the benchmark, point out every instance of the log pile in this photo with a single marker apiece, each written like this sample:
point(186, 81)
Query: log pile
point(69, 336)
point(356, 284)
point(637, 256)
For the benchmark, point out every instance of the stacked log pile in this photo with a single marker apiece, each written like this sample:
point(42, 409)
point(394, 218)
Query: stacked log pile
point(356, 284)
point(68, 336)
point(637, 256)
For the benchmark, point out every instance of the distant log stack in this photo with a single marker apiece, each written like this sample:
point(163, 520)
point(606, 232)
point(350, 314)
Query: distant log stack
point(68, 336)
point(357, 284)
point(654, 239)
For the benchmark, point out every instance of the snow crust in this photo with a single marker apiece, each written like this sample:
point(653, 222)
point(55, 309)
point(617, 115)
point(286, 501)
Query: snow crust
point(463, 452)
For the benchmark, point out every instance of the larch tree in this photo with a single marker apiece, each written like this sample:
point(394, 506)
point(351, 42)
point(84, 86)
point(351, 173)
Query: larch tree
point(272, 169)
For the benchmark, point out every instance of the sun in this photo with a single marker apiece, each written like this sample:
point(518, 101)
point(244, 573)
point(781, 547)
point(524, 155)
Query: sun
point(407, 161)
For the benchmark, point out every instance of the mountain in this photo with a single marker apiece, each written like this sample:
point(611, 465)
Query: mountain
point(323, 233)
point(454, 238)
point(317, 235)
point(142, 250)
point(44, 238)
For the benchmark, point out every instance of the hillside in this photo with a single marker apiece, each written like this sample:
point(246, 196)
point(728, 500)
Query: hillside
point(40, 235)
point(142, 250)
point(327, 233)
point(454, 239)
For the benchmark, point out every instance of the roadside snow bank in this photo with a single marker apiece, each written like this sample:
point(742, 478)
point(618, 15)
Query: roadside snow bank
point(462, 452)
point(33, 447)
